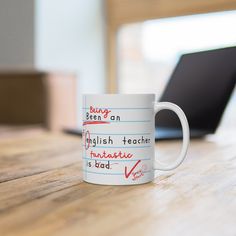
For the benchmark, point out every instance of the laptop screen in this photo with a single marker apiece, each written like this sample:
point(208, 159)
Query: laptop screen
point(201, 85)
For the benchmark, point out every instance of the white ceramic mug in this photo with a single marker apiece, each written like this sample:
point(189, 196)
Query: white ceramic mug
point(118, 138)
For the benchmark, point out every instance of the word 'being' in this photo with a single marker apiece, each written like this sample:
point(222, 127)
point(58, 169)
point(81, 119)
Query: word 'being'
point(100, 114)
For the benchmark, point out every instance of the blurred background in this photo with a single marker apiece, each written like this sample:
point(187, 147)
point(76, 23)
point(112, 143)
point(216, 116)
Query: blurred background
point(51, 52)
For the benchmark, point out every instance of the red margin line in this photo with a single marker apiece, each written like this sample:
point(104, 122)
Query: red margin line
point(95, 122)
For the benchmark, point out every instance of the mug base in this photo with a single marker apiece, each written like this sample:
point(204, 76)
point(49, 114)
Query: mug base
point(117, 184)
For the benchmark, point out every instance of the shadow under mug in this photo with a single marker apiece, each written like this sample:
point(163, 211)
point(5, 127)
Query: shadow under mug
point(118, 138)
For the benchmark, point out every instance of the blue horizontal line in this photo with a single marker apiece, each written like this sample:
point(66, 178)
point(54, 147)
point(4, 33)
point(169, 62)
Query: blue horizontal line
point(121, 108)
point(100, 173)
point(118, 146)
point(93, 172)
point(121, 160)
point(131, 121)
point(121, 134)
point(120, 121)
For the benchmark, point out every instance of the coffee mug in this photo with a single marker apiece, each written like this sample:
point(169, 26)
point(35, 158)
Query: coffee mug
point(118, 138)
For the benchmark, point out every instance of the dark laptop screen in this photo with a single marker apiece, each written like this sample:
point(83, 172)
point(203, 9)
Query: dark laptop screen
point(201, 85)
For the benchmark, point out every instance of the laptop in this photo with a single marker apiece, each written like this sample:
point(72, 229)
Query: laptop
point(201, 84)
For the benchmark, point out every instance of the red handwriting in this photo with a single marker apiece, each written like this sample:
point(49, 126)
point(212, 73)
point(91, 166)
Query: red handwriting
point(95, 122)
point(114, 155)
point(137, 174)
point(129, 173)
point(104, 111)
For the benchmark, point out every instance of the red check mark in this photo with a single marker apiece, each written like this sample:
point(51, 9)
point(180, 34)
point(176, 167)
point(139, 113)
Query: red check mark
point(128, 174)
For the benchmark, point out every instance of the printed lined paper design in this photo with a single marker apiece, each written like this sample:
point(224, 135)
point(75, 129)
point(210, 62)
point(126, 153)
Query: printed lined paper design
point(124, 154)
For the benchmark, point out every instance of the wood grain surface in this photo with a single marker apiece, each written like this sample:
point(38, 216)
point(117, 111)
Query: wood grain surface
point(42, 191)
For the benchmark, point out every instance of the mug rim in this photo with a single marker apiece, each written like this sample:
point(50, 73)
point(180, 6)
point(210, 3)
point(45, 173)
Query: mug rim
point(119, 94)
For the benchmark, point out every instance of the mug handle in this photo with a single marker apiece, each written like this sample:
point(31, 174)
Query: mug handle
point(185, 127)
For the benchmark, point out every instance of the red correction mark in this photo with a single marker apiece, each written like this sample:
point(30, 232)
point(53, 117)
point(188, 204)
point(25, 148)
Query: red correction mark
point(129, 173)
point(95, 122)
point(87, 140)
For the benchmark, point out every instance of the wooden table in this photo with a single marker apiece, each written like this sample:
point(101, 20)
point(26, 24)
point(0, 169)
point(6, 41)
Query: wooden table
point(42, 191)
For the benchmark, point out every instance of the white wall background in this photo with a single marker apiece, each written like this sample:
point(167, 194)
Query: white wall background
point(56, 35)
point(70, 36)
point(16, 33)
